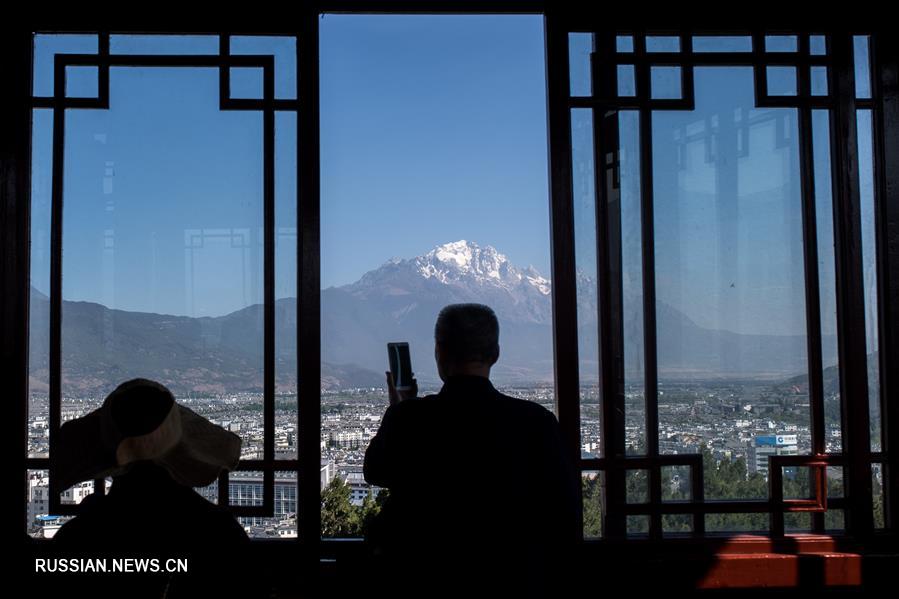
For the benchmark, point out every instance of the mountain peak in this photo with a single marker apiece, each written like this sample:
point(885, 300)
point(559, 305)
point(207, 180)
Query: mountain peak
point(462, 263)
point(466, 260)
point(464, 256)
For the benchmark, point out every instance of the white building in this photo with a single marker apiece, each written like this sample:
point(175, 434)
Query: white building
point(327, 474)
point(769, 445)
point(40, 521)
point(359, 488)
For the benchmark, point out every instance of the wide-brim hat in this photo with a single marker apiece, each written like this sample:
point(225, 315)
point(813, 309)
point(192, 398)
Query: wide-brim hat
point(141, 421)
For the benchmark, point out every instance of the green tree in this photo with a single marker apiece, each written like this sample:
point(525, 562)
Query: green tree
point(370, 509)
point(729, 479)
point(879, 520)
point(725, 479)
point(591, 491)
point(340, 518)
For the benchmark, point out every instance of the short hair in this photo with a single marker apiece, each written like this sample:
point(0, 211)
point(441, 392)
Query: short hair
point(468, 333)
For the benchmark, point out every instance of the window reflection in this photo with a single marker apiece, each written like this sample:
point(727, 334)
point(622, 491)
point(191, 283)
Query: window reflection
point(730, 282)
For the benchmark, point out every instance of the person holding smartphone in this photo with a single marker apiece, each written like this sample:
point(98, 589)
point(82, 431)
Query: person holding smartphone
point(481, 495)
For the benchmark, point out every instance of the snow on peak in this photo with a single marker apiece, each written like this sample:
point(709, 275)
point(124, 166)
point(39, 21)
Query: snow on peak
point(458, 252)
point(537, 280)
point(463, 259)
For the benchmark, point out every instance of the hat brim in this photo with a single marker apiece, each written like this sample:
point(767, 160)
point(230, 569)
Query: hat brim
point(86, 450)
point(82, 451)
point(205, 449)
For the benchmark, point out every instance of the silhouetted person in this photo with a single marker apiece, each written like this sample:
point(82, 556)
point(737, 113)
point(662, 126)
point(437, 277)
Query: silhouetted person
point(481, 495)
point(155, 450)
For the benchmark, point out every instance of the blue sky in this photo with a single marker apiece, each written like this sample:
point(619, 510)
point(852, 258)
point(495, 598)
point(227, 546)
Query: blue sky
point(433, 130)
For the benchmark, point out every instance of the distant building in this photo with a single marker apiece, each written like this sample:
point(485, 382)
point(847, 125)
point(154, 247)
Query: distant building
point(46, 526)
point(78, 492)
point(352, 438)
point(38, 497)
point(766, 446)
point(327, 474)
point(359, 488)
point(40, 521)
point(247, 489)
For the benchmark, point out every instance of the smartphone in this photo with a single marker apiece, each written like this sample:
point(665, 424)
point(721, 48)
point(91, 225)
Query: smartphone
point(400, 365)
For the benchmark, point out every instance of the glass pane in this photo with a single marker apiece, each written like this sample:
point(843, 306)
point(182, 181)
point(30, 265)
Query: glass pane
point(826, 281)
point(46, 47)
point(39, 522)
point(164, 44)
point(835, 520)
point(722, 43)
point(286, 375)
point(736, 522)
point(637, 526)
point(284, 523)
point(781, 43)
point(39, 306)
point(349, 503)
point(77, 492)
point(210, 492)
point(624, 44)
point(730, 305)
point(627, 84)
point(781, 81)
point(676, 524)
point(676, 483)
point(247, 83)
point(580, 46)
point(248, 489)
point(795, 522)
point(835, 481)
point(818, 77)
point(869, 264)
point(591, 491)
point(817, 45)
point(584, 182)
point(862, 66)
point(434, 191)
point(82, 82)
point(637, 482)
point(798, 482)
point(339, 516)
point(663, 43)
point(583, 187)
point(731, 477)
point(632, 281)
point(665, 82)
point(284, 51)
point(162, 246)
point(878, 495)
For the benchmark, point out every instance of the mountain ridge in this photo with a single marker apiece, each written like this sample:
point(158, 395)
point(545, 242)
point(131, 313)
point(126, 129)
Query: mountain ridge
point(397, 301)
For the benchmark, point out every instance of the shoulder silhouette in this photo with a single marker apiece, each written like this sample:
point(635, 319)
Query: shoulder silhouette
point(480, 487)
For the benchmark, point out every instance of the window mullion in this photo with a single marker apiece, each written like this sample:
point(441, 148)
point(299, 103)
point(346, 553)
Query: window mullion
point(886, 152)
point(309, 288)
point(850, 293)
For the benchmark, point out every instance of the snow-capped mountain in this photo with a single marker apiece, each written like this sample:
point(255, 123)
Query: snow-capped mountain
point(465, 271)
point(460, 260)
point(400, 300)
